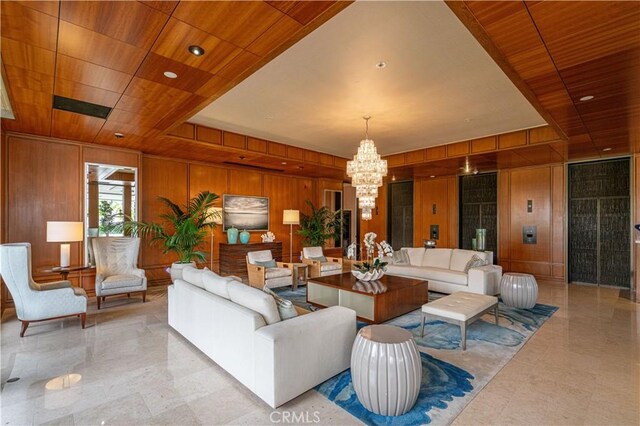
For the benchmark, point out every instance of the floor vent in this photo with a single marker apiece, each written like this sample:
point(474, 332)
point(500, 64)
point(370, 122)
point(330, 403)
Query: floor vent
point(267, 169)
point(80, 107)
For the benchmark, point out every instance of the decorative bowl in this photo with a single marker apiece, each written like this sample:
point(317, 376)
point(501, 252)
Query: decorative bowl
point(368, 276)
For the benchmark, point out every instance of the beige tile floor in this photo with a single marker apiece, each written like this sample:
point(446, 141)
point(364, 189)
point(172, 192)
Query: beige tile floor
point(581, 367)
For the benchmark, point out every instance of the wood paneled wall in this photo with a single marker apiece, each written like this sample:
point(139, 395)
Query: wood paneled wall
point(43, 180)
point(443, 194)
point(545, 186)
point(636, 247)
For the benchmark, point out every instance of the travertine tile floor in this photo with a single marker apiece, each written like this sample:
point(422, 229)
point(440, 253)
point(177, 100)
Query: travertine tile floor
point(581, 367)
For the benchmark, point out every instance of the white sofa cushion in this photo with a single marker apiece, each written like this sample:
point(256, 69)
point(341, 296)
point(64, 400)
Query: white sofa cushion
point(437, 258)
point(120, 281)
point(277, 273)
point(216, 284)
point(193, 275)
point(459, 306)
point(330, 266)
point(415, 255)
point(254, 299)
point(311, 252)
point(286, 309)
point(447, 276)
point(460, 258)
point(261, 256)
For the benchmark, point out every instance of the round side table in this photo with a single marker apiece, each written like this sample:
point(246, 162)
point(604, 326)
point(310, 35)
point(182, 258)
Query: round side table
point(519, 290)
point(386, 369)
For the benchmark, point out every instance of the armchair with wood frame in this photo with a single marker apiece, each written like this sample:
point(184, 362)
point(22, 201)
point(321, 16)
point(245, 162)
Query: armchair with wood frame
point(263, 270)
point(319, 265)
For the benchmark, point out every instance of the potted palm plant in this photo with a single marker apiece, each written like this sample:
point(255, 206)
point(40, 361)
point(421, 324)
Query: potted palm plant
point(183, 229)
point(319, 226)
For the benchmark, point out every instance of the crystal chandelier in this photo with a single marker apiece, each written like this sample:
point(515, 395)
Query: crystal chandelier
point(366, 172)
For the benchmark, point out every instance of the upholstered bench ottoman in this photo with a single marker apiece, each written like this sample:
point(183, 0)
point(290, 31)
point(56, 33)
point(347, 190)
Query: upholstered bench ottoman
point(461, 309)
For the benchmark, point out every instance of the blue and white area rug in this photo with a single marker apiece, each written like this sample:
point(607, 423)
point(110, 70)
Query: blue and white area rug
point(451, 378)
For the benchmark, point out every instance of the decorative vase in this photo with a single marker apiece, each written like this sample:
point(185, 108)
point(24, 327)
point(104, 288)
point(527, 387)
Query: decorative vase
point(176, 269)
point(474, 245)
point(481, 239)
point(232, 235)
point(368, 276)
point(244, 237)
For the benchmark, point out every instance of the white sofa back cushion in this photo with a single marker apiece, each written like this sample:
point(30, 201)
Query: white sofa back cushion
point(216, 284)
point(193, 275)
point(310, 252)
point(254, 299)
point(415, 255)
point(460, 258)
point(437, 258)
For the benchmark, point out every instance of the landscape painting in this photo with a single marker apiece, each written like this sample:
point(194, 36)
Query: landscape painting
point(245, 212)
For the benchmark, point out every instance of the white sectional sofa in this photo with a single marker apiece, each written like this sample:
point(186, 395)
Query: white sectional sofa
point(240, 329)
point(444, 269)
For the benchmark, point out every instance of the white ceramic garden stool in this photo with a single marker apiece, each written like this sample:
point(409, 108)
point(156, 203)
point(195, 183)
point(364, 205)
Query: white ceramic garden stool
point(519, 290)
point(386, 369)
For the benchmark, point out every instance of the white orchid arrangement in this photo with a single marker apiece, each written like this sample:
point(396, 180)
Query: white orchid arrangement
point(268, 237)
point(352, 251)
point(384, 249)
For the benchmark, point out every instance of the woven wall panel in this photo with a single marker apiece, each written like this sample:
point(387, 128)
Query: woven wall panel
point(401, 219)
point(478, 209)
point(583, 242)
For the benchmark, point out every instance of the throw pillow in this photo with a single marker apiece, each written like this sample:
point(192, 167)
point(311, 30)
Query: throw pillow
point(285, 307)
point(320, 259)
point(193, 275)
point(401, 257)
point(254, 299)
point(267, 263)
point(474, 262)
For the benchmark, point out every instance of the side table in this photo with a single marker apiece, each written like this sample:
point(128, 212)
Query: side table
point(64, 271)
point(390, 385)
point(519, 290)
point(297, 269)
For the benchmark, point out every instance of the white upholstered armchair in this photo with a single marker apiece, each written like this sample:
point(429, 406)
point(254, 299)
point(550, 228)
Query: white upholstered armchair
point(116, 270)
point(33, 301)
point(264, 270)
point(319, 265)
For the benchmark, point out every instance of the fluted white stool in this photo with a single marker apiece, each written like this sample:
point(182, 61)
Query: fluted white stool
point(386, 369)
point(519, 290)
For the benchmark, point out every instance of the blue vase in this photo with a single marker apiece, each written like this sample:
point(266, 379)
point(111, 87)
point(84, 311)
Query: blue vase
point(244, 237)
point(232, 235)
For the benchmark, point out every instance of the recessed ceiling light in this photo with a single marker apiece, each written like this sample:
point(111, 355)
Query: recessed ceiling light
point(468, 120)
point(119, 135)
point(381, 65)
point(586, 98)
point(284, 163)
point(196, 50)
point(170, 74)
point(607, 149)
point(432, 176)
point(393, 178)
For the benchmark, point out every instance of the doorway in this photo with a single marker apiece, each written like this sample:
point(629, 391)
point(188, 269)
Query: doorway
point(400, 219)
point(479, 209)
point(600, 223)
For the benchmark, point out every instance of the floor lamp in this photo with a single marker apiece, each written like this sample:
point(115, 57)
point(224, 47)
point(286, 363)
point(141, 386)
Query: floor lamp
point(291, 217)
point(215, 217)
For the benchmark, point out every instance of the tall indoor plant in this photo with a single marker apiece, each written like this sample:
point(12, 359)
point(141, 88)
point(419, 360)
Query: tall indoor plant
point(183, 229)
point(319, 226)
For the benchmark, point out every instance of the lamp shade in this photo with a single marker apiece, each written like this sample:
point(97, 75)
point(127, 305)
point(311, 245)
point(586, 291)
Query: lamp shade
point(291, 217)
point(64, 232)
point(216, 217)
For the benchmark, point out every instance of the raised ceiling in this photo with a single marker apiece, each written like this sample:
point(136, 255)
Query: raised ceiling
point(439, 85)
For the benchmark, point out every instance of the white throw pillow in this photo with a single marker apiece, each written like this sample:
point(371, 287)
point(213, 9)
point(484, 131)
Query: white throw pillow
point(415, 255)
point(460, 258)
point(193, 275)
point(285, 306)
point(254, 299)
point(437, 258)
point(401, 257)
point(216, 284)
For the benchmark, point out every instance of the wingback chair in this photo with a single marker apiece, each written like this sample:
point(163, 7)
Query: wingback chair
point(116, 270)
point(264, 270)
point(33, 301)
point(319, 265)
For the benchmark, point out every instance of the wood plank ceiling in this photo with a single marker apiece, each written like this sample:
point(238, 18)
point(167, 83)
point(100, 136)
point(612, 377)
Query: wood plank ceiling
point(114, 53)
point(564, 51)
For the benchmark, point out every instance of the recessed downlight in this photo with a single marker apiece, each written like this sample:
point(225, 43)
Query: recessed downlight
point(586, 98)
point(381, 65)
point(432, 176)
point(196, 50)
point(284, 163)
point(606, 149)
point(170, 74)
point(118, 135)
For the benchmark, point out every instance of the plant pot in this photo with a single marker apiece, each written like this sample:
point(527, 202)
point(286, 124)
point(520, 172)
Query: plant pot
point(232, 235)
point(176, 269)
point(244, 237)
point(368, 276)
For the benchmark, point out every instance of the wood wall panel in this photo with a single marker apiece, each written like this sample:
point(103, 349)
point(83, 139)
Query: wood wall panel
point(558, 207)
point(443, 192)
point(244, 182)
point(636, 196)
point(160, 178)
point(504, 215)
point(110, 156)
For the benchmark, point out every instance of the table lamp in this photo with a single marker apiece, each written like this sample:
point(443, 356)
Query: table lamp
point(65, 233)
point(291, 217)
point(215, 217)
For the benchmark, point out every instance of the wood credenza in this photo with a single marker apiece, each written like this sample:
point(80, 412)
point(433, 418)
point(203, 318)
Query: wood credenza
point(233, 256)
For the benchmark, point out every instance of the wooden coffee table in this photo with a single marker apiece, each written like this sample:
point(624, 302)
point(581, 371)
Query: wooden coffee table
point(374, 301)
